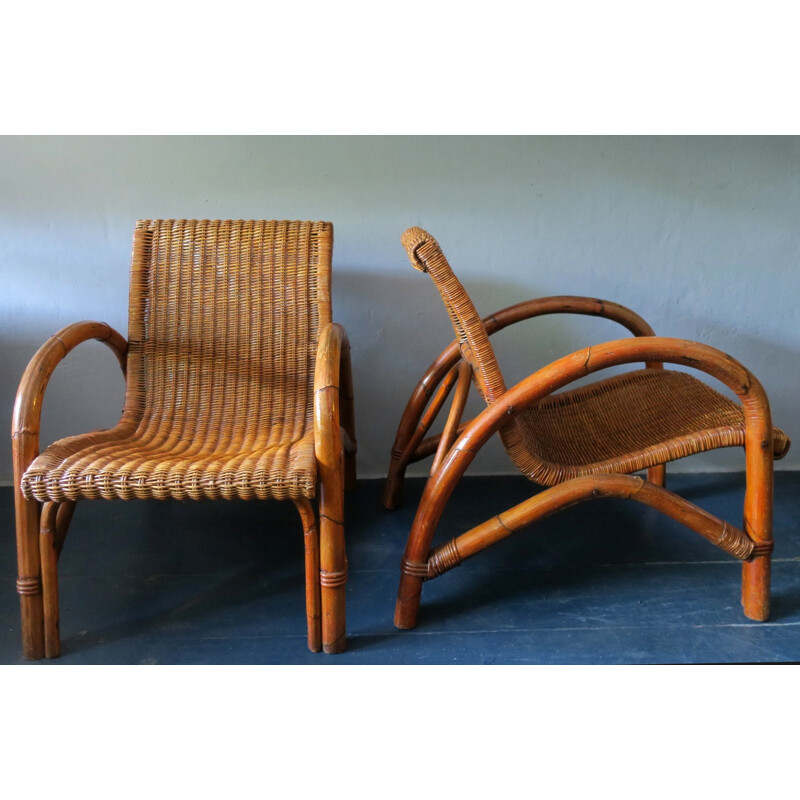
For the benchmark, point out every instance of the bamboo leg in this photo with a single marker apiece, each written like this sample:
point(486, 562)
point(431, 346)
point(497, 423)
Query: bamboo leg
point(657, 475)
point(311, 546)
point(48, 549)
point(29, 583)
point(414, 566)
point(409, 594)
point(333, 563)
point(755, 588)
point(758, 523)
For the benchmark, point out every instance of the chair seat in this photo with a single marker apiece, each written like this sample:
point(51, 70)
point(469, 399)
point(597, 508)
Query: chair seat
point(630, 422)
point(121, 464)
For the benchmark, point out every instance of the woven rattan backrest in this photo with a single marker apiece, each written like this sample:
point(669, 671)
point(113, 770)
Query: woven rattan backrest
point(426, 255)
point(224, 319)
point(473, 341)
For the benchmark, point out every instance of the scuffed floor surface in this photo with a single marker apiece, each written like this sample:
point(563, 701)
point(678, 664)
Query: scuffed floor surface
point(606, 582)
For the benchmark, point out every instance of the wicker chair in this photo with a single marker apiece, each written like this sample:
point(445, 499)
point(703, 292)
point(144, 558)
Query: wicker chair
point(233, 368)
point(581, 443)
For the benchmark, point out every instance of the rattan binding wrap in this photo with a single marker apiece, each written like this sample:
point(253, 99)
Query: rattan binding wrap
point(587, 430)
point(223, 330)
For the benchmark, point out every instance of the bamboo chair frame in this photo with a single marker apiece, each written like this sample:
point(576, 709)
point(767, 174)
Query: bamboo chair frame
point(41, 527)
point(455, 448)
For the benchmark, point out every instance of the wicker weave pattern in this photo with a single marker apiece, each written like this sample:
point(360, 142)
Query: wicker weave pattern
point(587, 430)
point(223, 328)
point(426, 255)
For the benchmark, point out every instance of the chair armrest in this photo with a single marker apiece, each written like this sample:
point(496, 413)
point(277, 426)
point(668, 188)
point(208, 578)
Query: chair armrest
point(28, 405)
point(568, 304)
point(327, 436)
point(334, 420)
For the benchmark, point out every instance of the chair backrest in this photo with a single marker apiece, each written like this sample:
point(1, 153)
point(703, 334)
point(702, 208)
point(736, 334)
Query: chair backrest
point(473, 341)
point(224, 318)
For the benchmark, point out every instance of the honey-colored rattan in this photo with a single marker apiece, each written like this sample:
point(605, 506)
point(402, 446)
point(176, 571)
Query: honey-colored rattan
point(583, 443)
point(223, 326)
point(626, 423)
point(238, 385)
point(589, 430)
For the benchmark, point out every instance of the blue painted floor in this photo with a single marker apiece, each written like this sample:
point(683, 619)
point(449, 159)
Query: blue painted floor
point(607, 582)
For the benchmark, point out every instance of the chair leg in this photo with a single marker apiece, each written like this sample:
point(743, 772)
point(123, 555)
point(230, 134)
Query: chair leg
point(29, 583)
point(406, 608)
point(657, 475)
point(48, 550)
point(333, 563)
point(311, 547)
point(758, 526)
point(414, 564)
point(755, 587)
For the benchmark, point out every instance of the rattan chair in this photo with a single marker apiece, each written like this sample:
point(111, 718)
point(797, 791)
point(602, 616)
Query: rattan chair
point(582, 443)
point(237, 381)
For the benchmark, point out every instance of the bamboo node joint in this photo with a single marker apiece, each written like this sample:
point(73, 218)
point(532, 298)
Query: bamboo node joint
point(29, 586)
point(332, 579)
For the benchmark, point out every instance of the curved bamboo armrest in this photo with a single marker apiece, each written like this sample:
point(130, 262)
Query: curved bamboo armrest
point(28, 405)
point(334, 420)
point(327, 436)
point(568, 304)
point(336, 471)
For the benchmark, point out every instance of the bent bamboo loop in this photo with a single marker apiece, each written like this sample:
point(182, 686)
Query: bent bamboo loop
point(728, 538)
point(28, 404)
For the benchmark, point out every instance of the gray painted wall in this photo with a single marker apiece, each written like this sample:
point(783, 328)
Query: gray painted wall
point(700, 235)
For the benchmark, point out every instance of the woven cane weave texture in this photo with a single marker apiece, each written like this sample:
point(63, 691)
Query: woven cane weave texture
point(224, 319)
point(626, 423)
point(621, 424)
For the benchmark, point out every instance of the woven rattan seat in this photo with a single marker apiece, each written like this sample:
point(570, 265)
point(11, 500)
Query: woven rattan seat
point(233, 379)
point(588, 430)
point(581, 443)
point(124, 465)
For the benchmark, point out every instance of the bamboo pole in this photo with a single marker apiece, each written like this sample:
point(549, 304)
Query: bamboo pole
point(311, 549)
point(330, 459)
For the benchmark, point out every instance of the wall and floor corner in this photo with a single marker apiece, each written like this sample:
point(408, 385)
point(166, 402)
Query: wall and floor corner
point(700, 235)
